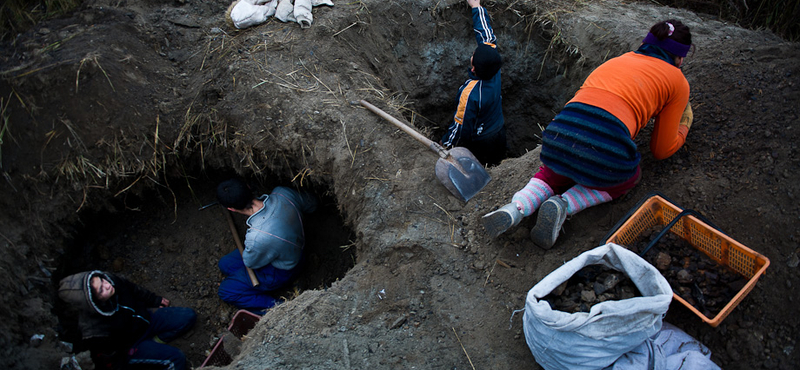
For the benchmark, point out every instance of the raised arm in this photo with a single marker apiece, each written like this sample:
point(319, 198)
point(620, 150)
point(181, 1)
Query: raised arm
point(481, 24)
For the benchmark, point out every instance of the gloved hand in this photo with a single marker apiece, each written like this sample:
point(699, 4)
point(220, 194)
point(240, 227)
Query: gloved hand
point(687, 117)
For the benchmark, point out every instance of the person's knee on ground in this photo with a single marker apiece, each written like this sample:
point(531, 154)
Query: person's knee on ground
point(169, 323)
point(554, 212)
point(230, 263)
point(242, 295)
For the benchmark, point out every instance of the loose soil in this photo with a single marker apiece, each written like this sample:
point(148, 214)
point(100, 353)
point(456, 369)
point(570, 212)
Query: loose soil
point(119, 119)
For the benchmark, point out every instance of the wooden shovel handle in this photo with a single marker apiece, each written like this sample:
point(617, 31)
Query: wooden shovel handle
point(238, 241)
point(428, 142)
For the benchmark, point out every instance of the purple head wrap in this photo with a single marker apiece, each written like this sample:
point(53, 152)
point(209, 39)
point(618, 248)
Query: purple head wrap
point(668, 44)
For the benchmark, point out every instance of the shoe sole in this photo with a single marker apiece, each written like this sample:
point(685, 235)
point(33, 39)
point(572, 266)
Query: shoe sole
point(548, 225)
point(496, 223)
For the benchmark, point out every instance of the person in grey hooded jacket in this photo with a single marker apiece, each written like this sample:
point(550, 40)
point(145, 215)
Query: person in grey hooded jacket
point(273, 245)
point(118, 327)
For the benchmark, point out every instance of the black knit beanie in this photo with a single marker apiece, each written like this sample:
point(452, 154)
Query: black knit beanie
point(486, 61)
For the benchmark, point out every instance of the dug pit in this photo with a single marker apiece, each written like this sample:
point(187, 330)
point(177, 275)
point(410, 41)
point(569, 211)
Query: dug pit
point(163, 240)
point(117, 114)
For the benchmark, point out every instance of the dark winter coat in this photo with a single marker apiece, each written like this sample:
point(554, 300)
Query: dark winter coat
point(109, 329)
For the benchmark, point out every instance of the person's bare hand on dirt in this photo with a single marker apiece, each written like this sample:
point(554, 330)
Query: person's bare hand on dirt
point(474, 3)
point(164, 302)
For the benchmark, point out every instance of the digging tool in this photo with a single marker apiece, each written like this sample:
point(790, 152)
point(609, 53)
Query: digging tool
point(238, 241)
point(457, 168)
point(207, 205)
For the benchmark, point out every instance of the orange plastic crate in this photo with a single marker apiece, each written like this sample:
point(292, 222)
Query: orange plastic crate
point(657, 211)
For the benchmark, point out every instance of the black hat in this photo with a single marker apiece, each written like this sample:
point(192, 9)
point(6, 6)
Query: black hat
point(234, 193)
point(486, 61)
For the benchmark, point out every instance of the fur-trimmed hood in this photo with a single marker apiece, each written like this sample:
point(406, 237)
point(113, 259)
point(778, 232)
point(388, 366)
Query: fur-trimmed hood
point(77, 290)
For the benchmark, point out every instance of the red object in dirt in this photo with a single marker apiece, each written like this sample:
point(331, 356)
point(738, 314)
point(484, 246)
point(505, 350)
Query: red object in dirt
point(657, 210)
point(243, 321)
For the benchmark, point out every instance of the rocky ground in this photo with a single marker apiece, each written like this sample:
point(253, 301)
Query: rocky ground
point(119, 118)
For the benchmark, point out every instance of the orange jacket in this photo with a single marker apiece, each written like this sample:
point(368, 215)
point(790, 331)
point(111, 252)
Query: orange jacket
point(635, 87)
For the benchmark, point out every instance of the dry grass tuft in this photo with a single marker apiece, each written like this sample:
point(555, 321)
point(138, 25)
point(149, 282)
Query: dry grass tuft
point(92, 57)
point(17, 15)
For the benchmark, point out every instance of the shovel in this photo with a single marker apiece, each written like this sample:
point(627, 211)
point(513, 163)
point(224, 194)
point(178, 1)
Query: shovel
point(250, 273)
point(457, 168)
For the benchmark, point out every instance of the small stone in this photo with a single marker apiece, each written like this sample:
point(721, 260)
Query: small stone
point(588, 296)
point(793, 260)
point(684, 277)
point(611, 281)
point(37, 339)
point(662, 261)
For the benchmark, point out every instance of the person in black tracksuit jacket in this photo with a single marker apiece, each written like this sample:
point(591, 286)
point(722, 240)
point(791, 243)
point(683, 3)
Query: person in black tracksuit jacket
point(478, 123)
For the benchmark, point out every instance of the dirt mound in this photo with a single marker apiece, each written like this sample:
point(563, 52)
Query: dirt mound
point(119, 119)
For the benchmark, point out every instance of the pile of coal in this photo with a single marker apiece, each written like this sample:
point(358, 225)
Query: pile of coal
point(589, 286)
point(695, 277)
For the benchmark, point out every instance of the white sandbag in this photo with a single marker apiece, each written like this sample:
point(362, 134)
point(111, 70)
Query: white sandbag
point(285, 11)
point(671, 349)
point(302, 13)
point(595, 340)
point(249, 13)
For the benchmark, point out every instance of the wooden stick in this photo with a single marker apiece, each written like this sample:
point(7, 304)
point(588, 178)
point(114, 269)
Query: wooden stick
point(238, 241)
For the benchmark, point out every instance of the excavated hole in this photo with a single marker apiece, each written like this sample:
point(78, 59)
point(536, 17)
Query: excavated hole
point(534, 86)
point(163, 242)
point(141, 239)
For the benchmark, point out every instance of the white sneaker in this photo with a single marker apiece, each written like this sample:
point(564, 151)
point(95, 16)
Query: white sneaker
point(552, 215)
point(497, 222)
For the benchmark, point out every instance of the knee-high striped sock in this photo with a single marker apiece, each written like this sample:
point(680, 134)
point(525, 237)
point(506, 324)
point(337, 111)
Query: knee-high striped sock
point(579, 198)
point(532, 196)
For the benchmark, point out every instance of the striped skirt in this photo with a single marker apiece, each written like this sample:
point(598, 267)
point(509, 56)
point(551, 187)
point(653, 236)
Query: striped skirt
point(590, 146)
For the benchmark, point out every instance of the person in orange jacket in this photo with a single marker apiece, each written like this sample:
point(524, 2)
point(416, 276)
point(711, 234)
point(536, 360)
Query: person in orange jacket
point(588, 153)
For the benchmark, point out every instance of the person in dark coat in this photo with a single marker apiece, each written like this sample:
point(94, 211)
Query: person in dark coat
point(117, 325)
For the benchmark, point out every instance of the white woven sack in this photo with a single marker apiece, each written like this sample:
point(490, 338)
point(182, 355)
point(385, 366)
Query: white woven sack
point(594, 340)
point(670, 349)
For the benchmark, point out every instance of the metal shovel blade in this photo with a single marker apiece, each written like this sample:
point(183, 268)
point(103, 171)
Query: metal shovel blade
point(457, 169)
point(461, 173)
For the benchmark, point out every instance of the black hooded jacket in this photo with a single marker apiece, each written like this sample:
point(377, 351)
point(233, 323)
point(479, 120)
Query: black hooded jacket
point(109, 329)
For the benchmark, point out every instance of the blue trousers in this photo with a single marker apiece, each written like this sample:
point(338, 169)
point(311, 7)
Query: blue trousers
point(166, 323)
point(237, 289)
